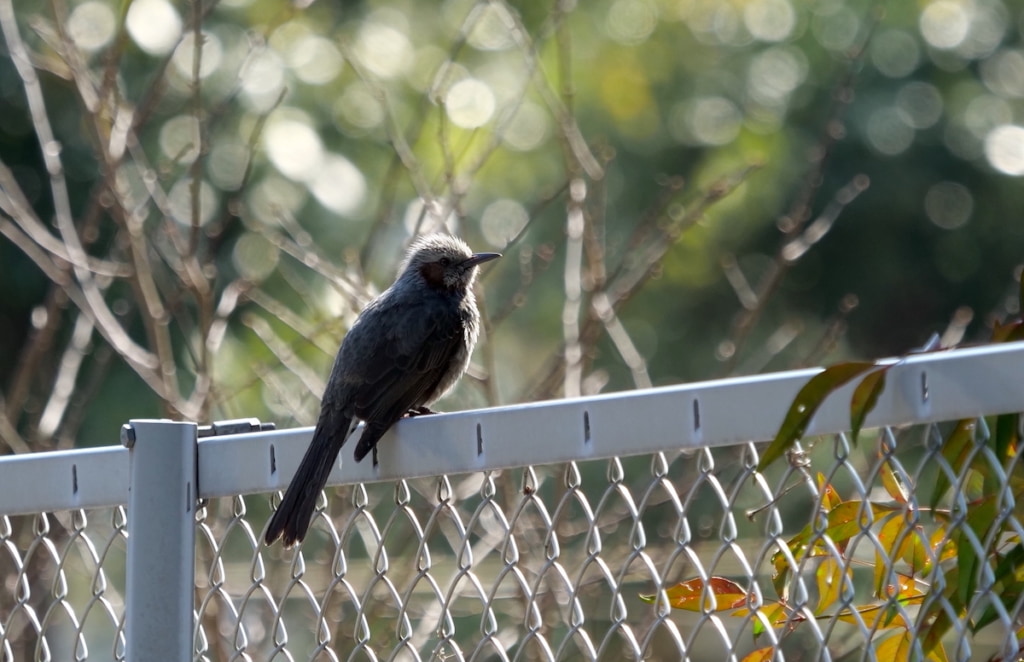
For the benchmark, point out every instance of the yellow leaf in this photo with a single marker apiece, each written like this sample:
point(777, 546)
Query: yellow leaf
point(885, 557)
point(829, 497)
point(893, 484)
point(896, 648)
point(760, 655)
point(829, 576)
point(770, 616)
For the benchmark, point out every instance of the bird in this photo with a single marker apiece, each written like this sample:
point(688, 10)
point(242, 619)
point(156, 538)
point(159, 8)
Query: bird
point(406, 349)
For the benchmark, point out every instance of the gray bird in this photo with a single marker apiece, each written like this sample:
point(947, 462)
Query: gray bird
point(405, 350)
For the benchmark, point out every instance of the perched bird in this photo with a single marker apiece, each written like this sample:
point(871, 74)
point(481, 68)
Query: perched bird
point(405, 350)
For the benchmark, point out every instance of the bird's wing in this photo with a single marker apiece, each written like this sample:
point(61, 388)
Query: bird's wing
point(403, 365)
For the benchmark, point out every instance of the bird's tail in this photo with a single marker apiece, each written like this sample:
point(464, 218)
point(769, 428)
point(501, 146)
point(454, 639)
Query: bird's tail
point(291, 520)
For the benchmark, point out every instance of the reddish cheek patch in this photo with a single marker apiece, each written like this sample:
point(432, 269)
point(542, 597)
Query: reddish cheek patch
point(433, 273)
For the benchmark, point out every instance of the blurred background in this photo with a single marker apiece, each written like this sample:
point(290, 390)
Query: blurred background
point(196, 199)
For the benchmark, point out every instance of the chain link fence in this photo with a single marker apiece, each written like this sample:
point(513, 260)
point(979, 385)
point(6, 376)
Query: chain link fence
point(846, 551)
point(63, 585)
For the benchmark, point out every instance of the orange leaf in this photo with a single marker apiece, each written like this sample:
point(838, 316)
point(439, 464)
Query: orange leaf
point(725, 593)
point(1010, 331)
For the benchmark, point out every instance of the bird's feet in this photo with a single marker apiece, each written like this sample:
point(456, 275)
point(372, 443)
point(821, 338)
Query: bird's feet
point(422, 410)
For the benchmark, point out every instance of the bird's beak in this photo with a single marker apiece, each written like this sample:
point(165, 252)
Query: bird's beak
point(479, 258)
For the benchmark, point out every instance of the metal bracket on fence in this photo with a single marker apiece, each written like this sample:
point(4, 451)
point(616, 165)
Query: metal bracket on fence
point(161, 552)
point(234, 426)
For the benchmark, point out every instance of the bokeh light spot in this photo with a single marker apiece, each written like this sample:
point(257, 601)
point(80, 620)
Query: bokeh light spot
point(985, 30)
point(775, 73)
point(888, 133)
point(631, 21)
point(209, 60)
point(528, 129)
point(339, 185)
point(263, 79)
point(895, 53)
point(944, 24)
point(180, 200)
point(383, 50)
point(359, 106)
point(948, 205)
point(491, 28)
point(920, 104)
point(985, 112)
point(1004, 149)
point(835, 26)
point(469, 103)
point(715, 120)
point(179, 139)
point(1003, 73)
point(294, 148)
point(769, 20)
point(228, 161)
point(705, 121)
point(154, 25)
point(254, 256)
point(314, 60)
point(502, 220)
point(91, 26)
point(273, 196)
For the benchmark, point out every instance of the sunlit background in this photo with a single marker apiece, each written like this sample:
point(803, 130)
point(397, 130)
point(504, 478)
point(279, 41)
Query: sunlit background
point(875, 149)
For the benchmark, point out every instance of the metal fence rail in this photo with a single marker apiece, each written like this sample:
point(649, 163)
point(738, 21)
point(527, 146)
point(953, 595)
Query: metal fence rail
point(563, 530)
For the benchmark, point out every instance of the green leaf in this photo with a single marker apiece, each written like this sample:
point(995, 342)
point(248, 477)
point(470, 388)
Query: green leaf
point(1007, 426)
point(807, 402)
point(1008, 586)
point(980, 517)
point(864, 399)
point(955, 450)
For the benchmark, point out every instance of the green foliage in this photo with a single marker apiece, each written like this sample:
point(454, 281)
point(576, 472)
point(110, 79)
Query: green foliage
point(931, 558)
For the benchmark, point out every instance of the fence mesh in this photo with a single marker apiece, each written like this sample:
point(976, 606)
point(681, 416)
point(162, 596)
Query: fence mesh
point(63, 585)
point(568, 562)
point(689, 555)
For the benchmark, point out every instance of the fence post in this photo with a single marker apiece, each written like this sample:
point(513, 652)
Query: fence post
point(160, 573)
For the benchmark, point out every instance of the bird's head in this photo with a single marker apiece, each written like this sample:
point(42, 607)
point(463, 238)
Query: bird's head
point(444, 262)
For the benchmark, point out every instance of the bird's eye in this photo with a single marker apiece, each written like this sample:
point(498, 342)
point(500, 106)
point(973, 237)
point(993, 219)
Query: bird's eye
point(444, 262)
